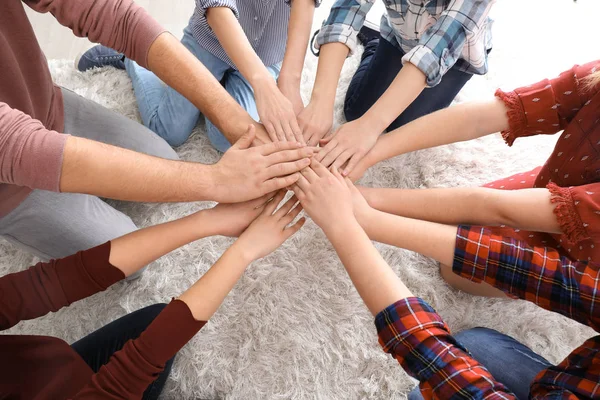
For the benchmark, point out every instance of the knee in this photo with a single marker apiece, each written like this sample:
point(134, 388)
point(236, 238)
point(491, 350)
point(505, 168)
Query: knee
point(173, 132)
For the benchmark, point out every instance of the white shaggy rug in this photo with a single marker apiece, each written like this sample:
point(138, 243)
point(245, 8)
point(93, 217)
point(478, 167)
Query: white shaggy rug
point(294, 327)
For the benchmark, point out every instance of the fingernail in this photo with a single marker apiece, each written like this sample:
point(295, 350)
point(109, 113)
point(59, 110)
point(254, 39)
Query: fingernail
point(298, 144)
point(345, 172)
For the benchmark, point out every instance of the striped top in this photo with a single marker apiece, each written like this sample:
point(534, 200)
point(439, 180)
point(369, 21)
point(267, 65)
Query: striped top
point(434, 35)
point(265, 23)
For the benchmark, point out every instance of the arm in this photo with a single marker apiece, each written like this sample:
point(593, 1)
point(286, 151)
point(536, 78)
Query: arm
point(301, 17)
point(242, 173)
point(275, 111)
point(126, 27)
point(336, 40)
point(409, 329)
point(48, 287)
point(132, 369)
point(528, 209)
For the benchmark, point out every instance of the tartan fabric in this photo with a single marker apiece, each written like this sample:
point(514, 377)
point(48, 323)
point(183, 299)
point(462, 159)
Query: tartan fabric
point(434, 35)
point(412, 332)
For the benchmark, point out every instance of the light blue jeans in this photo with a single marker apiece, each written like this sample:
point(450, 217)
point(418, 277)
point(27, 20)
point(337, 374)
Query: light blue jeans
point(172, 116)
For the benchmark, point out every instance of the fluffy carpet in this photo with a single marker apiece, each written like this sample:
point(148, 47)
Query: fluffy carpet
point(294, 326)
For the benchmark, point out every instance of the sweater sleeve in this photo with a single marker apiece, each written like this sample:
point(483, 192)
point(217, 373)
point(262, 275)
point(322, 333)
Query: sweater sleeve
point(47, 287)
point(30, 154)
point(122, 25)
point(548, 106)
point(140, 361)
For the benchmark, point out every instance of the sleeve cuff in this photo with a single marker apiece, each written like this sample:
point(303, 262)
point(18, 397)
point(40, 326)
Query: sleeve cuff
point(203, 6)
point(148, 31)
point(471, 253)
point(566, 213)
point(47, 165)
point(397, 324)
point(517, 120)
point(168, 333)
point(338, 33)
point(429, 63)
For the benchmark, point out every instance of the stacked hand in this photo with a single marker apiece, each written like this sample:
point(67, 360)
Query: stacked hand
point(315, 121)
point(276, 112)
point(347, 145)
point(245, 173)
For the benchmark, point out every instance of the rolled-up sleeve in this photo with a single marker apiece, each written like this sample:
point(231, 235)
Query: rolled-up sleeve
point(442, 44)
point(202, 7)
point(345, 20)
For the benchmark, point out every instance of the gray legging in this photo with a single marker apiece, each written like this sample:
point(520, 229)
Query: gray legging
point(53, 225)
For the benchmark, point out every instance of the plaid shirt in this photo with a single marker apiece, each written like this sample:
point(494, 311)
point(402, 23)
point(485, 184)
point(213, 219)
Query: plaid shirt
point(434, 35)
point(417, 337)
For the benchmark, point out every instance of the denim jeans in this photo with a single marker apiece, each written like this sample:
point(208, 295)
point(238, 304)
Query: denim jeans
point(97, 348)
point(172, 116)
point(380, 64)
point(509, 361)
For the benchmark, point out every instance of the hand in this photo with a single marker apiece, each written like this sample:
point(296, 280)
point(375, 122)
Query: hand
point(324, 195)
point(245, 173)
point(291, 90)
point(359, 169)
point(270, 229)
point(276, 112)
point(315, 122)
point(261, 137)
point(231, 219)
point(350, 143)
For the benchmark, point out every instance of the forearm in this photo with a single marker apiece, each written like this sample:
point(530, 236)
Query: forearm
point(450, 125)
point(107, 171)
point(427, 238)
point(235, 43)
point(405, 88)
point(131, 252)
point(207, 294)
point(179, 69)
point(301, 17)
point(331, 61)
point(527, 209)
point(373, 278)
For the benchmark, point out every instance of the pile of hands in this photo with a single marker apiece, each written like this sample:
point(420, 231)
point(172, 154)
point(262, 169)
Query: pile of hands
point(263, 224)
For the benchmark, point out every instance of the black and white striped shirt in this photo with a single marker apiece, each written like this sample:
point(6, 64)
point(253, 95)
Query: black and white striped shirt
point(265, 23)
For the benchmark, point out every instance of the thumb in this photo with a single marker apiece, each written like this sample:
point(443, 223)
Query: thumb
point(245, 141)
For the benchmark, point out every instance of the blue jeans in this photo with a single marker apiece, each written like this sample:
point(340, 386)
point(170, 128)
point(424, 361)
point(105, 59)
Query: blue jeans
point(172, 116)
point(509, 361)
point(98, 347)
point(380, 64)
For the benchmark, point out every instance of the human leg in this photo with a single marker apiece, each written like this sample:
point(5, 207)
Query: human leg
point(97, 348)
point(497, 351)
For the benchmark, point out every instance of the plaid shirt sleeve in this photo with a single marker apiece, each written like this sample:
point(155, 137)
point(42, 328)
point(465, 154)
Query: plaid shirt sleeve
point(417, 337)
point(536, 274)
point(442, 44)
point(345, 20)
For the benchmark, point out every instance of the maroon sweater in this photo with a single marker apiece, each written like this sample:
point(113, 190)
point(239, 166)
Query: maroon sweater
point(31, 106)
point(41, 367)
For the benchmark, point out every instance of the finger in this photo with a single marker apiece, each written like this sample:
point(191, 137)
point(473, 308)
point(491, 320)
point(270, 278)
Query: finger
point(274, 203)
point(341, 160)
point(309, 174)
point(354, 160)
point(286, 207)
point(299, 193)
point(289, 231)
point(287, 168)
point(319, 168)
point(290, 155)
point(287, 219)
point(288, 132)
point(245, 141)
point(332, 156)
point(297, 131)
point(337, 174)
point(351, 186)
point(278, 146)
point(280, 182)
point(325, 141)
point(303, 184)
point(271, 131)
point(325, 151)
point(261, 201)
point(280, 131)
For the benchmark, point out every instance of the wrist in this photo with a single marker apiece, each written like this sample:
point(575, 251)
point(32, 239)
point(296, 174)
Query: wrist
point(289, 79)
point(242, 252)
point(322, 100)
point(262, 79)
point(374, 122)
point(337, 231)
